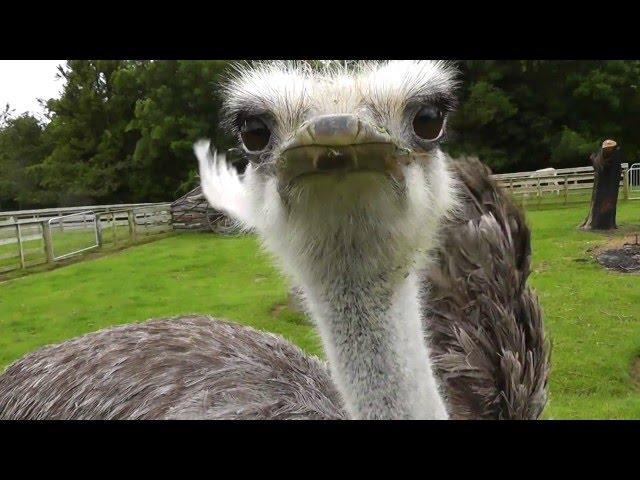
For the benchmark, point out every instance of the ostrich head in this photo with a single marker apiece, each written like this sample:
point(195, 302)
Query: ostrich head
point(340, 158)
point(346, 185)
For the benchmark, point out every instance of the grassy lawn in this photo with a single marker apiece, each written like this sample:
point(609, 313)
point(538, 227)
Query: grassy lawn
point(592, 315)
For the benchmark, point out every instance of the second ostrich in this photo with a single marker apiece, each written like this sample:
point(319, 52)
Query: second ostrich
point(347, 187)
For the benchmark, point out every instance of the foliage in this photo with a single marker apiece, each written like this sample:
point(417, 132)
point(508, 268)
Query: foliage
point(179, 108)
point(21, 146)
point(530, 114)
point(122, 130)
point(91, 150)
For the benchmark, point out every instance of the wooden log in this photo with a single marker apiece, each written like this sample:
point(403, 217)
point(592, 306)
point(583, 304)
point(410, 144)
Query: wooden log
point(607, 164)
point(192, 212)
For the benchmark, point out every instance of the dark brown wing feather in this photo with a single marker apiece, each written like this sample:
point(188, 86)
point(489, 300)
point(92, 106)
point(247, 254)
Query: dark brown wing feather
point(487, 334)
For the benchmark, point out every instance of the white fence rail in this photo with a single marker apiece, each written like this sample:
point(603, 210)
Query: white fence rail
point(562, 182)
point(45, 213)
point(33, 237)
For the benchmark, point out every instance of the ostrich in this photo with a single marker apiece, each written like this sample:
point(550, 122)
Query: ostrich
point(413, 269)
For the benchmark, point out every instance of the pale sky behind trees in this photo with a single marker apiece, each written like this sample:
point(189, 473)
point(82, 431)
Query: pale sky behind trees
point(22, 82)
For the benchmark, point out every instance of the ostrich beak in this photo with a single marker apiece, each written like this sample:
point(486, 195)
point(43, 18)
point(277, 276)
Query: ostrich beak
point(340, 144)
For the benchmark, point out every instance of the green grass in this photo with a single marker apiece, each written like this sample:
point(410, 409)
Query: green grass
point(592, 315)
point(187, 273)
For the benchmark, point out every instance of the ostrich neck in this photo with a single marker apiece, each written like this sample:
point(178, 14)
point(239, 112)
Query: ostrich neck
point(371, 329)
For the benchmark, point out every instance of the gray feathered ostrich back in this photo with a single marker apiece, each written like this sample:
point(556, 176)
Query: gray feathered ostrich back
point(486, 329)
point(190, 367)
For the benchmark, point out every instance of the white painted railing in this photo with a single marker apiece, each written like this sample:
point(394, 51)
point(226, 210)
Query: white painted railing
point(17, 216)
point(32, 237)
point(633, 181)
point(562, 182)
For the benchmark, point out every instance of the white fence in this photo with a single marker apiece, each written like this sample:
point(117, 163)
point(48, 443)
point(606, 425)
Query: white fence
point(634, 181)
point(32, 237)
point(562, 182)
point(46, 213)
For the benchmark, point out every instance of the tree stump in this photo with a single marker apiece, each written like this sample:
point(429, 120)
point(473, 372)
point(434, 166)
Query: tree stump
point(607, 165)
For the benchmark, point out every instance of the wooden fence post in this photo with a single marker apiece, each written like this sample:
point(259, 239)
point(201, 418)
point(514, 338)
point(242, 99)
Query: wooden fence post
point(113, 226)
point(131, 219)
point(19, 236)
point(48, 241)
point(539, 192)
point(566, 189)
point(625, 183)
point(99, 228)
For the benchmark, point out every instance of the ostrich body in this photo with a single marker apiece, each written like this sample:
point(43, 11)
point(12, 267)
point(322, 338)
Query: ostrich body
point(413, 269)
point(190, 367)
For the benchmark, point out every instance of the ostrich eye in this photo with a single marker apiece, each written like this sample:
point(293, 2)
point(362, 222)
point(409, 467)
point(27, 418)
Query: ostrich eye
point(428, 123)
point(255, 134)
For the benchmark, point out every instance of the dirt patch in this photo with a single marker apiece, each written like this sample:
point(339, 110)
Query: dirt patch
point(625, 259)
point(277, 309)
point(612, 243)
point(283, 312)
point(540, 267)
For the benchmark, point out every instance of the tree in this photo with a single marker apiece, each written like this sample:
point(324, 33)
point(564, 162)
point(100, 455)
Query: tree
point(91, 146)
point(122, 131)
point(179, 107)
point(5, 115)
point(21, 146)
point(530, 114)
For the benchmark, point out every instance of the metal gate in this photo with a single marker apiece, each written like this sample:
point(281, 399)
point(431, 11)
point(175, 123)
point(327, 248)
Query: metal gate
point(73, 234)
point(634, 181)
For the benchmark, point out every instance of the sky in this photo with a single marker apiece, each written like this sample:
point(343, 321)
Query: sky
point(22, 82)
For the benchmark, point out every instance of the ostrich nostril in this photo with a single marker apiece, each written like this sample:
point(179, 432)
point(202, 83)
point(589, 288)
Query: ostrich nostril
point(333, 161)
